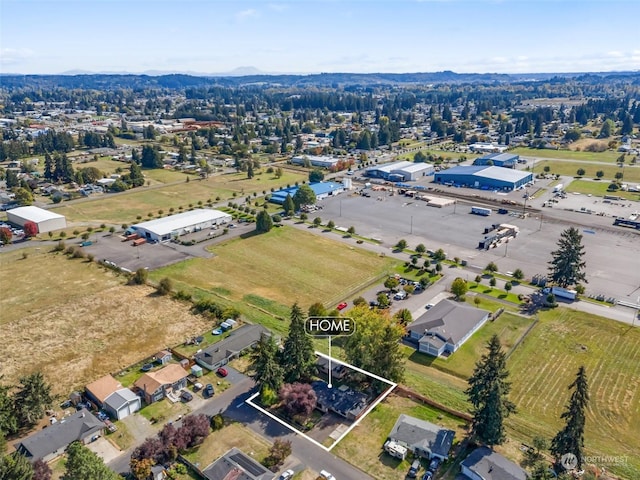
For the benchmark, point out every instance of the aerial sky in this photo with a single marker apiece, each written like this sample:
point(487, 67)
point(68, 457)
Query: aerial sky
point(313, 36)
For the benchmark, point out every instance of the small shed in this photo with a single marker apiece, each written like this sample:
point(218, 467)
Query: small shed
point(163, 357)
point(196, 371)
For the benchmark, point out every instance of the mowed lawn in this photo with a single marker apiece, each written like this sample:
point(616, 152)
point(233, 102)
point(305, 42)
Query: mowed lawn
point(365, 442)
point(286, 265)
point(631, 173)
point(606, 156)
point(75, 321)
point(544, 365)
point(125, 207)
point(599, 189)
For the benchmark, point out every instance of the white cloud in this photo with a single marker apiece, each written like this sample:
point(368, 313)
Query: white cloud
point(248, 13)
point(14, 56)
point(278, 7)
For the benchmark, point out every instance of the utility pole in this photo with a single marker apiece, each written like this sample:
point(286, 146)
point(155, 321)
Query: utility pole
point(411, 231)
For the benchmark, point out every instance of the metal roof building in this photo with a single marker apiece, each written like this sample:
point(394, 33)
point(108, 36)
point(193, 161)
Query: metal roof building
point(322, 161)
point(180, 224)
point(402, 171)
point(45, 220)
point(506, 160)
point(321, 189)
point(483, 177)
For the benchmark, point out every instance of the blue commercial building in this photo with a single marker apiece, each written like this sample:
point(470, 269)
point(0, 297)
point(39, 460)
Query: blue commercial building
point(484, 178)
point(321, 189)
point(506, 160)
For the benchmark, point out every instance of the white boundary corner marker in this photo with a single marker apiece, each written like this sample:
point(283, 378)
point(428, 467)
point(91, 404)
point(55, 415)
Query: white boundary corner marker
point(380, 398)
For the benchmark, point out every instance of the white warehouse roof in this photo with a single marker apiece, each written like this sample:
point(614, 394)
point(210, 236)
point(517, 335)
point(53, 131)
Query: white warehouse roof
point(500, 173)
point(414, 167)
point(392, 166)
point(172, 223)
point(34, 214)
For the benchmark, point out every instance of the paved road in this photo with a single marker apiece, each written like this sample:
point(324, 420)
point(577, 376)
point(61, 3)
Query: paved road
point(231, 403)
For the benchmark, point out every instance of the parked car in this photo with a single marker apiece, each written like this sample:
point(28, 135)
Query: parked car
point(186, 396)
point(413, 470)
point(222, 372)
point(216, 331)
point(429, 305)
point(208, 391)
point(197, 387)
point(326, 475)
point(286, 474)
point(342, 306)
point(427, 476)
point(433, 466)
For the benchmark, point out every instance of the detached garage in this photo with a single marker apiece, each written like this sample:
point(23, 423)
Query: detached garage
point(45, 220)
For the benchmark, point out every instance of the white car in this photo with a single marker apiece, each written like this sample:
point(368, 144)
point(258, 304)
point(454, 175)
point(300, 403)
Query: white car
point(326, 475)
point(429, 305)
point(286, 474)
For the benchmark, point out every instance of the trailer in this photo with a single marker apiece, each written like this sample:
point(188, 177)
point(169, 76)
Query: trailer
point(395, 449)
point(485, 212)
point(138, 242)
point(561, 293)
point(558, 188)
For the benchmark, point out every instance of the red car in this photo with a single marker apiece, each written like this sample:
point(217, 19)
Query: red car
point(342, 306)
point(222, 372)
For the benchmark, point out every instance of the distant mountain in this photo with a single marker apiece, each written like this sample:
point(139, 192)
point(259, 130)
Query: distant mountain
point(252, 76)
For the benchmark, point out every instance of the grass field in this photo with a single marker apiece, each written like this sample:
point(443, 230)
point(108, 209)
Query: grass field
point(606, 156)
point(599, 189)
point(546, 363)
point(508, 326)
point(631, 173)
point(261, 271)
point(75, 321)
point(365, 442)
point(125, 207)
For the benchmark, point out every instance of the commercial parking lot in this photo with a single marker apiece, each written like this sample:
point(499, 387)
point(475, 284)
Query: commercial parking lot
point(612, 253)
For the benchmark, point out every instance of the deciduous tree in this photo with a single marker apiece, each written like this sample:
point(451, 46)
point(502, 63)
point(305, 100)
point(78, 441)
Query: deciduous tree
point(264, 223)
point(83, 464)
point(459, 288)
point(298, 398)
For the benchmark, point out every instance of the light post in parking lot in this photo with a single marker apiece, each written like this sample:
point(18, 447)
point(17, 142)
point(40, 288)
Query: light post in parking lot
point(411, 228)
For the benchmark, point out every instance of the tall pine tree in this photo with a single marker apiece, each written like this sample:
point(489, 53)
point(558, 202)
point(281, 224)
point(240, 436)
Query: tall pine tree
point(297, 358)
point(267, 371)
point(488, 391)
point(571, 438)
point(566, 267)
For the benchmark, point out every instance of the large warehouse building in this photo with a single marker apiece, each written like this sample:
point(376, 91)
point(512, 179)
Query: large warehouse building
point(321, 161)
point(182, 223)
point(45, 220)
point(485, 178)
point(507, 160)
point(403, 171)
point(321, 189)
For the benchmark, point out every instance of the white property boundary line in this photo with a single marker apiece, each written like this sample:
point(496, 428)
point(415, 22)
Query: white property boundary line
point(381, 397)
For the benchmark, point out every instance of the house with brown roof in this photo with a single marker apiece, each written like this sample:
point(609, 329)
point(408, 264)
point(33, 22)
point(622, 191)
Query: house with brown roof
point(156, 385)
point(109, 394)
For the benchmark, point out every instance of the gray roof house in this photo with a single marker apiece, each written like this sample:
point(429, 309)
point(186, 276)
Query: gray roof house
point(221, 353)
point(51, 442)
point(445, 327)
point(109, 394)
point(342, 400)
point(235, 465)
point(485, 464)
point(424, 438)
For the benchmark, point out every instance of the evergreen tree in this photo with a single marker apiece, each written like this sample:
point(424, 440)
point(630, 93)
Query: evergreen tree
point(83, 464)
point(250, 173)
point(297, 358)
point(571, 438)
point(8, 418)
point(487, 392)
point(566, 267)
point(288, 205)
point(15, 467)
point(48, 166)
point(264, 364)
point(136, 179)
point(264, 223)
point(32, 398)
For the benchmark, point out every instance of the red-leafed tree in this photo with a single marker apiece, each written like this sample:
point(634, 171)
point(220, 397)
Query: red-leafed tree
point(195, 428)
point(30, 229)
point(298, 398)
point(41, 470)
point(5, 235)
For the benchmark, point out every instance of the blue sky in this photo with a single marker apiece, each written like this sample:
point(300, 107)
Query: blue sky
point(310, 36)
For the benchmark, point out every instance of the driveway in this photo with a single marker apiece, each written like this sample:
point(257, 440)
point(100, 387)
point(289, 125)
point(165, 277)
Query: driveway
point(104, 449)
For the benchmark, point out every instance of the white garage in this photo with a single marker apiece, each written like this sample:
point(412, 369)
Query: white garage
point(175, 225)
point(45, 220)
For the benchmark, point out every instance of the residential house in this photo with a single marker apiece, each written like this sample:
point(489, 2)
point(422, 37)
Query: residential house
point(108, 394)
point(156, 385)
point(338, 371)
point(236, 465)
point(344, 401)
point(51, 442)
point(485, 464)
point(423, 438)
point(445, 327)
point(221, 353)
